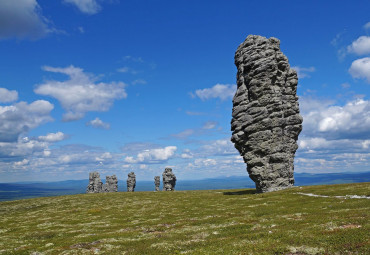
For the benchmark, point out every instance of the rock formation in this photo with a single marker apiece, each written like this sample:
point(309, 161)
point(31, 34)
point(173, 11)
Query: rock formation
point(111, 184)
point(265, 118)
point(169, 180)
point(131, 182)
point(157, 182)
point(95, 184)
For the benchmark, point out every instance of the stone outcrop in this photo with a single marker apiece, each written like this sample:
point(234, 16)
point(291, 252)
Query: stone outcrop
point(169, 180)
point(131, 182)
point(157, 182)
point(265, 118)
point(95, 183)
point(111, 184)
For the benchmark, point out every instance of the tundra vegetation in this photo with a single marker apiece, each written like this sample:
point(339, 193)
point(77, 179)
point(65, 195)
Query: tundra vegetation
point(191, 222)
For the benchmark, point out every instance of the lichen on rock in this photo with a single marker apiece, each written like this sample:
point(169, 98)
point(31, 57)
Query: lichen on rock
point(265, 118)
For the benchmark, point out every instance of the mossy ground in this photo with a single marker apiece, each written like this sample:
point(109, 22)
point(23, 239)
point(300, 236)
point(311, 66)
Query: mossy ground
point(190, 222)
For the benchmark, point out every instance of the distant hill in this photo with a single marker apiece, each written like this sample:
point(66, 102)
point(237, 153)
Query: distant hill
point(14, 191)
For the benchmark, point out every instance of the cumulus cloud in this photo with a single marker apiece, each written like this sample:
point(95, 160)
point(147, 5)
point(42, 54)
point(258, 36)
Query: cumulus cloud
point(360, 68)
point(303, 72)
point(8, 96)
point(98, 123)
point(85, 6)
point(350, 120)
point(53, 137)
point(20, 149)
point(19, 118)
point(361, 46)
point(221, 91)
point(152, 156)
point(81, 93)
point(22, 19)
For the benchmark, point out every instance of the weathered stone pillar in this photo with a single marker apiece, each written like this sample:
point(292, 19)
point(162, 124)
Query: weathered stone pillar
point(131, 182)
point(169, 180)
point(157, 182)
point(111, 184)
point(265, 118)
point(95, 183)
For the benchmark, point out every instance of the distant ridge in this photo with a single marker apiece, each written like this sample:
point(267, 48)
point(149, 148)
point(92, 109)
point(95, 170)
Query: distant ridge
point(23, 190)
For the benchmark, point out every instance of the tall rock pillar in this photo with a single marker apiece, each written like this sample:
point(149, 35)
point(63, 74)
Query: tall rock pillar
point(265, 118)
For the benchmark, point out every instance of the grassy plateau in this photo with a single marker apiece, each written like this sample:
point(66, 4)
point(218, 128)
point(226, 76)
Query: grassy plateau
point(191, 222)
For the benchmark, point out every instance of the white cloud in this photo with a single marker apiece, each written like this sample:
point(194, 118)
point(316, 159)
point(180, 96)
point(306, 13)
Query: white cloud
point(124, 69)
point(7, 96)
point(19, 118)
point(151, 156)
point(361, 46)
point(186, 154)
point(210, 125)
point(184, 134)
point(302, 72)
point(21, 148)
point(139, 81)
point(221, 147)
point(360, 68)
point(81, 93)
point(53, 137)
point(98, 123)
point(350, 120)
point(367, 26)
point(22, 19)
point(220, 91)
point(85, 6)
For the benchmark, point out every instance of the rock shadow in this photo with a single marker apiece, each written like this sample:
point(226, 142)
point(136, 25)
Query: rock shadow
point(241, 192)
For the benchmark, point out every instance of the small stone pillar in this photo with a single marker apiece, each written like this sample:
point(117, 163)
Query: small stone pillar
point(157, 182)
point(169, 180)
point(111, 184)
point(131, 182)
point(95, 183)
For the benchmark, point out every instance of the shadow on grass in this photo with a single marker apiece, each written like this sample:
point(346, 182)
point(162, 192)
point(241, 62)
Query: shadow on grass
point(242, 192)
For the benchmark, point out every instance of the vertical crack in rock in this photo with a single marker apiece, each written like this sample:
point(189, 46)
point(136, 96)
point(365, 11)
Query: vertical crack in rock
point(95, 183)
point(157, 182)
point(131, 182)
point(111, 184)
point(265, 120)
point(169, 180)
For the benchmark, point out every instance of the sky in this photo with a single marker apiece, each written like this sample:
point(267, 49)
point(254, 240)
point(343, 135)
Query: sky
point(116, 86)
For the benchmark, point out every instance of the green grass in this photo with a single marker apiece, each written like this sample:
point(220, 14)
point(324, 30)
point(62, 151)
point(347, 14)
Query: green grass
point(190, 222)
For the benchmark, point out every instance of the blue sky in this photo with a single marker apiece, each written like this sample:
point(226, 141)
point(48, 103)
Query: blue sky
point(116, 86)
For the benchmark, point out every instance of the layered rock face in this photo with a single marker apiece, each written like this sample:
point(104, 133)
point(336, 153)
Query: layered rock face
point(111, 184)
point(169, 180)
point(131, 182)
point(95, 183)
point(265, 118)
point(157, 182)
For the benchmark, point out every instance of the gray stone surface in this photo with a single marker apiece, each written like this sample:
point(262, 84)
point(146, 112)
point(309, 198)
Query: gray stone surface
point(131, 182)
point(95, 183)
point(157, 182)
point(111, 184)
point(169, 180)
point(265, 118)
